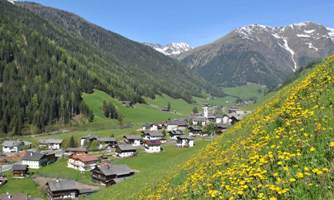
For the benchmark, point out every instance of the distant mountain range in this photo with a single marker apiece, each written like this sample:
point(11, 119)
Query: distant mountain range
point(172, 49)
point(260, 54)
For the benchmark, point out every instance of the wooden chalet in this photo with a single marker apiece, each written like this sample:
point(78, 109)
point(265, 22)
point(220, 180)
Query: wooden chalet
point(108, 174)
point(19, 170)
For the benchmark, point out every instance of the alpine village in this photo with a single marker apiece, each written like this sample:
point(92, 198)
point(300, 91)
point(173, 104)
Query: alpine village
point(86, 113)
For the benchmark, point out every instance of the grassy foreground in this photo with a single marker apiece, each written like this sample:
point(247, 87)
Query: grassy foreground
point(284, 150)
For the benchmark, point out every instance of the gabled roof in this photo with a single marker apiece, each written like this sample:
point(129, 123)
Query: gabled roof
point(177, 123)
point(153, 133)
point(12, 143)
point(51, 141)
point(132, 137)
point(84, 158)
point(195, 128)
point(33, 156)
point(126, 147)
point(108, 169)
point(176, 132)
point(18, 167)
point(106, 139)
point(153, 142)
point(62, 185)
point(89, 137)
point(185, 138)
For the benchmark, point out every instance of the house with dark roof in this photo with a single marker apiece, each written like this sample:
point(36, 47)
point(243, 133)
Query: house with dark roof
point(222, 127)
point(183, 141)
point(198, 121)
point(125, 150)
point(85, 140)
point(62, 189)
point(152, 146)
point(175, 133)
point(108, 174)
point(35, 160)
point(17, 196)
point(12, 146)
point(150, 127)
point(82, 162)
point(153, 135)
point(76, 150)
point(107, 142)
point(134, 140)
point(52, 144)
point(176, 125)
point(19, 170)
point(195, 131)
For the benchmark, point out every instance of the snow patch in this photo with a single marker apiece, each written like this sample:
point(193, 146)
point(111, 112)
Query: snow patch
point(303, 36)
point(174, 48)
point(331, 33)
point(309, 31)
point(311, 46)
point(292, 53)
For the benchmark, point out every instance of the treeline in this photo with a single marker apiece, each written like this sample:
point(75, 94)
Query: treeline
point(39, 82)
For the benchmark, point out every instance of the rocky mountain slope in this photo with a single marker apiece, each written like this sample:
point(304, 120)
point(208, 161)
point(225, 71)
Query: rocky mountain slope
point(260, 54)
point(172, 49)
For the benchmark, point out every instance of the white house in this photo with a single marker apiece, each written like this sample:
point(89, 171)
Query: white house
point(125, 150)
point(176, 125)
point(52, 144)
point(175, 133)
point(198, 121)
point(12, 146)
point(150, 127)
point(87, 139)
point(134, 140)
point(184, 142)
point(152, 146)
point(153, 135)
point(82, 162)
point(106, 142)
point(35, 160)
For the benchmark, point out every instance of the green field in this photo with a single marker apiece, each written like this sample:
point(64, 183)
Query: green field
point(26, 185)
point(151, 168)
point(250, 90)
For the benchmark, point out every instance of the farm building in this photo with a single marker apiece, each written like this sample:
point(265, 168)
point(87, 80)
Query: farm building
point(52, 144)
point(35, 160)
point(183, 141)
point(152, 146)
point(125, 150)
point(108, 174)
point(134, 140)
point(83, 162)
point(19, 170)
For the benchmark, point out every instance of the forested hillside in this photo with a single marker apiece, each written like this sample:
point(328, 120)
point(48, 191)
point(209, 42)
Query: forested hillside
point(284, 150)
point(44, 69)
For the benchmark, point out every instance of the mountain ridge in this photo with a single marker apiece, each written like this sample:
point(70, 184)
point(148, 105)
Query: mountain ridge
point(262, 54)
point(172, 49)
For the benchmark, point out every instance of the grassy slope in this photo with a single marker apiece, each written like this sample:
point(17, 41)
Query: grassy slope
point(284, 150)
point(151, 168)
point(26, 185)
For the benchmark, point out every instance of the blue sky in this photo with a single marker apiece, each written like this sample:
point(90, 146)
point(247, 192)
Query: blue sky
point(194, 21)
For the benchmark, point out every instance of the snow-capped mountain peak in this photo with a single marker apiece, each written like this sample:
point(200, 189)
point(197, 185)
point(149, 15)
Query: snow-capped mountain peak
point(172, 49)
point(331, 33)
